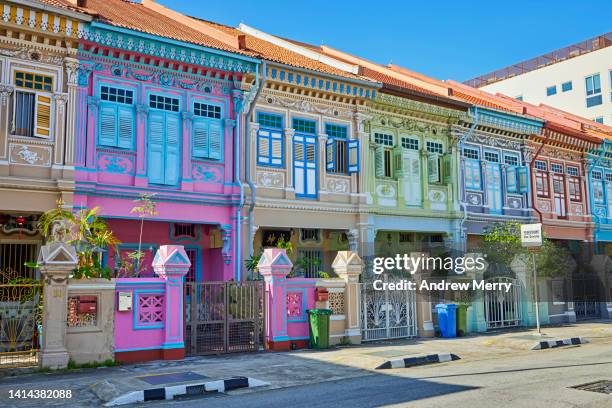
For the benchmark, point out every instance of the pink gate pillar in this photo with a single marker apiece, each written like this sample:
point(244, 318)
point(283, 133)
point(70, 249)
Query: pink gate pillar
point(274, 266)
point(171, 263)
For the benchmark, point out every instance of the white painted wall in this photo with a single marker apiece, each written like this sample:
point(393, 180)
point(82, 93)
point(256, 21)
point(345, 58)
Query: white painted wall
point(532, 85)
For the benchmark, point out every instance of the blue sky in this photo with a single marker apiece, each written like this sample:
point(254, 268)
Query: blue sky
point(444, 39)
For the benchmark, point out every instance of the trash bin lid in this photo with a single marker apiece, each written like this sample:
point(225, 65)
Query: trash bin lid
point(446, 306)
point(319, 311)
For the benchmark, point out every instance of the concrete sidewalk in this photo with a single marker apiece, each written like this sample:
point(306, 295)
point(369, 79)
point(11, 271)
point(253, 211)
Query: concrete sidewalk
point(92, 387)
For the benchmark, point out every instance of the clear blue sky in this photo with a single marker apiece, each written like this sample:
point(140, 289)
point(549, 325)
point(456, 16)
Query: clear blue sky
point(444, 39)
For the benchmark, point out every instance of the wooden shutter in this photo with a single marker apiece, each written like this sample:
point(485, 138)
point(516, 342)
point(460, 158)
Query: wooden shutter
point(200, 138)
point(398, 160)
point(276, 139)
point(511, 178)
point(311, 166)
point(155, 159)
point(173, 151)
point(330, 154)
point(380, 161)
point(412, 177)
point(108, 125)
point(42, 116)
point(299, 165)
point(215, 134)
point(447, 168)
point(523, 180)
point(433, 169)
point(126, 127)
point(353, 156)
point(263, 147)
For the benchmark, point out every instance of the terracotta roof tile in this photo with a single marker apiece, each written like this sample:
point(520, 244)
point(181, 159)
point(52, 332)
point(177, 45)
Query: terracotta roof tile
point(65, 4)
point(276, 53)
point(134, 16)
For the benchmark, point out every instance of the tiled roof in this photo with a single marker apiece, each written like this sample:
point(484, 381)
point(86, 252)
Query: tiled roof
point(276, 53)
point(135, 16)
point(65, 4)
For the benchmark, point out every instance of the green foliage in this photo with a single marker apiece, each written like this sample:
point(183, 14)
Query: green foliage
point(87, 232)
point(251, 266)
point(323, 275)
point(502, 244)
point(286, 245)
point(146, 207)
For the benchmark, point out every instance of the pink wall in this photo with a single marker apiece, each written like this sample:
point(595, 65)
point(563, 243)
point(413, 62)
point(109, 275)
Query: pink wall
point(130, 334)
point(302, 290)
point(112, 178)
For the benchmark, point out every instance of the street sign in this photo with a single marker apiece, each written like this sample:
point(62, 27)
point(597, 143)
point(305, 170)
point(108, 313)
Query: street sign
point(531, 235)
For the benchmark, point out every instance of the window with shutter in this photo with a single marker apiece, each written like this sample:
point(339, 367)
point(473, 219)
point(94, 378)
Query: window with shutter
point(270, 140)
point(32, 104)
point(207, 131)
point(511, 179)
point(116, 117)
point(330, 154)
point(446, 168)
point(473, 181)
point(379, 161)
point(172, 150)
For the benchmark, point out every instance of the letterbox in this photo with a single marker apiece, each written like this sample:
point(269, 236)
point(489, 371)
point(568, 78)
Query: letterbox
point(88, 304)
point(321, 294)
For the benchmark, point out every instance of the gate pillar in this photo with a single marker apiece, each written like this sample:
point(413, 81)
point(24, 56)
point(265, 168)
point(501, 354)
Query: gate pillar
point(274, 266)
point(347, 266)
point(171, 263)
point(56, 260)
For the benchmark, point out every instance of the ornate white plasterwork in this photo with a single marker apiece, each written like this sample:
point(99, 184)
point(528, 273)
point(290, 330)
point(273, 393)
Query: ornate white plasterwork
point(270, 179)
point(305, 105)
point(337, 185)
point(32, 54)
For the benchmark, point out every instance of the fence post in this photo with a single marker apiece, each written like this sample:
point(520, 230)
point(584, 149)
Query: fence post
point(348, 266)
point(171, 263)
point(274, 266)
point(57, 261)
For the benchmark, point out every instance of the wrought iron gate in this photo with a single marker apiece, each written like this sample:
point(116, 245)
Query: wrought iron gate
point(20, 317)
point(503, 309)
point(223, 317)
point(387, 314)
point(585, 296)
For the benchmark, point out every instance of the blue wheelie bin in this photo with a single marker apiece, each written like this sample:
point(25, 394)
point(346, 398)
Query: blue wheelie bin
point(447, 319)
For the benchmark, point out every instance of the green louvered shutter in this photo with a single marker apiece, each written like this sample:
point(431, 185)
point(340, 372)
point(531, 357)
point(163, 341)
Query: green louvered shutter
point(380, 161)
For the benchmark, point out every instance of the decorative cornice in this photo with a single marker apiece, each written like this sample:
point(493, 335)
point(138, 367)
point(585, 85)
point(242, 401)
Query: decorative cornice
point(308, 105)
point(33, 53)
point(419, 107)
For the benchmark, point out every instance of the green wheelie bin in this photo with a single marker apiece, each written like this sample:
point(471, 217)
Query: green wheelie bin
point(319, 328)
point(462, 320)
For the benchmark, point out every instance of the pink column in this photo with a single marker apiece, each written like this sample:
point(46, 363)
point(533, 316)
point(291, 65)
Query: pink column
point(141, 179)
point(171, 263)
point(274, 266)
point(92, 131)
point(186, 183)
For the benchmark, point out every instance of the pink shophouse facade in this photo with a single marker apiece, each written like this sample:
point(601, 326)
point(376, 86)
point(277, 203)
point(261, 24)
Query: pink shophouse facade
point(158, 116)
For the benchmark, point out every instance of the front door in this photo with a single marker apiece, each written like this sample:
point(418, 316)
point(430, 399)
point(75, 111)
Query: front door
point(305, 165)
point(494, 193)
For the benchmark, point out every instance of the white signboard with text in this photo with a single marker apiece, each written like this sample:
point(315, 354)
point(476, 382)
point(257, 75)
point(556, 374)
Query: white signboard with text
point(531, 235)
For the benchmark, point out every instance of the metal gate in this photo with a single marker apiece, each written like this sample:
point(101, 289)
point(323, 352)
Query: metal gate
point(585, 296)
point(20, 318)
point(223, 317)
point(387, 314)
point(503, 309)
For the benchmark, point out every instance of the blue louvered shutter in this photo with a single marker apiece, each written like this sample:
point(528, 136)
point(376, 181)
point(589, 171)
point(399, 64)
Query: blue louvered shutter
point(353, 156)
point(155, 160)
point(200, 138)
point(330, 156)
point(263, 147)
point(125, 117)
point(215, 138)
point(173, 151)
point(523, 180)
point(276, 148)
point(108, 125)
point(511, 184)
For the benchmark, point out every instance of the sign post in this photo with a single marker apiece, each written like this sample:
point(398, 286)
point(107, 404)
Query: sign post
point(531, 238)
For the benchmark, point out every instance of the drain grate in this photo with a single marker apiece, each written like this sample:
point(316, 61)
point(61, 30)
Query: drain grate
point(603, 386)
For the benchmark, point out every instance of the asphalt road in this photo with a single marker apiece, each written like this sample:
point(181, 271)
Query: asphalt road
point(538, 379)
